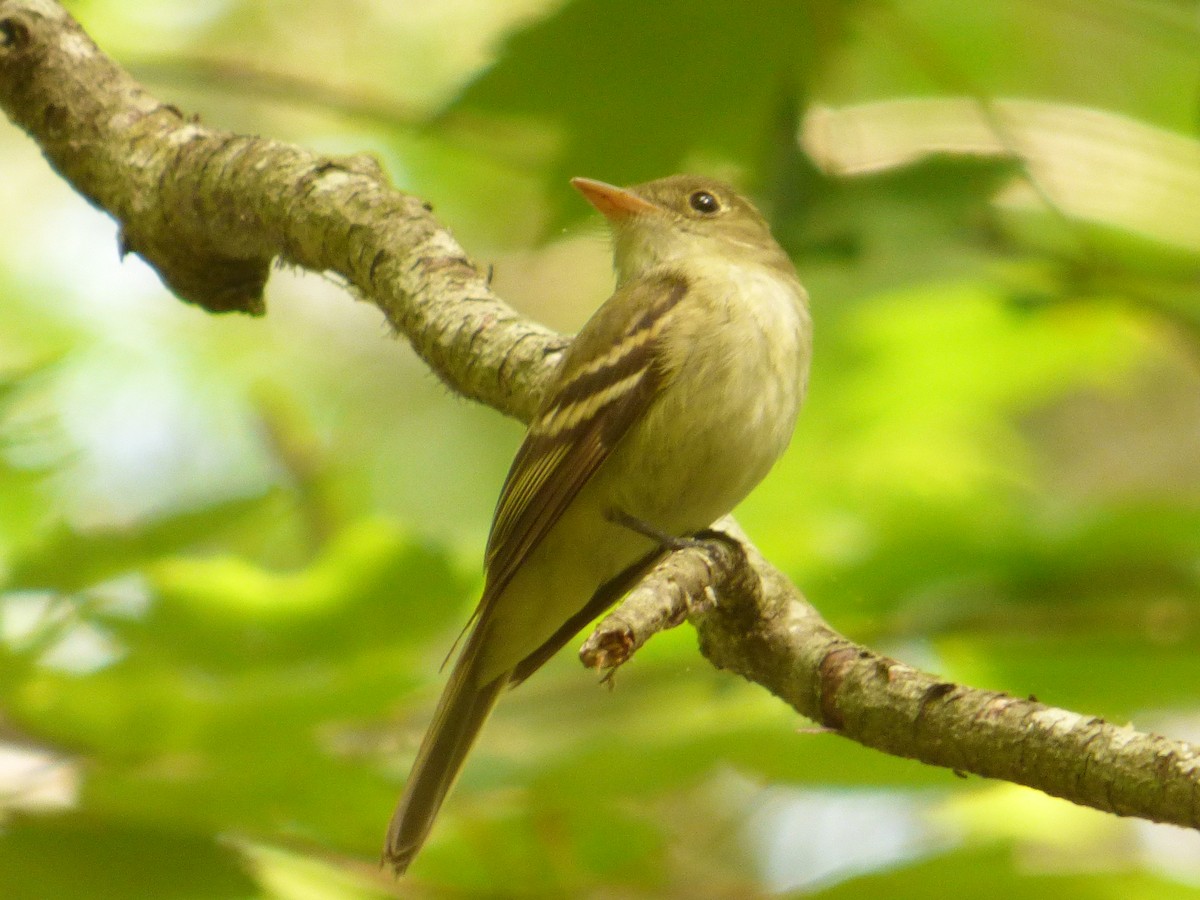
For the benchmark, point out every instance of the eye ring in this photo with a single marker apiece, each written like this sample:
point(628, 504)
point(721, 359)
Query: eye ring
point(704, 202)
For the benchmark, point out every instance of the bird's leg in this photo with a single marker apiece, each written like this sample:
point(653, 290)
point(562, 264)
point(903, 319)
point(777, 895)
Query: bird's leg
point(664, 539)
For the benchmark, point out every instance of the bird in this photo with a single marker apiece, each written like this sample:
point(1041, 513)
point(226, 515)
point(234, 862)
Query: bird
point(673, 401)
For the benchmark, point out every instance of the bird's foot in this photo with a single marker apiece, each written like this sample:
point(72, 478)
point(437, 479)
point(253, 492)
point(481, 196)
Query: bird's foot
point(664, 539)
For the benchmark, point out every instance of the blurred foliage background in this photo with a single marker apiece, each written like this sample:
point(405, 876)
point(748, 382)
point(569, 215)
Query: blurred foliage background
point(234, 552)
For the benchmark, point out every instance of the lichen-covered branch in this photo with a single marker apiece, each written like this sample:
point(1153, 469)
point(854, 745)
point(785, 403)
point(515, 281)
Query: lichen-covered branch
point(751, 620)
point(211, 211)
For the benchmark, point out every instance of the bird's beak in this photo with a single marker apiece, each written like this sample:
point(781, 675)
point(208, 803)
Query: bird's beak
point(615, 204)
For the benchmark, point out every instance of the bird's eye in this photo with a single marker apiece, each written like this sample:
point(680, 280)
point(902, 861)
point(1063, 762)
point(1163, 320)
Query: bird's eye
point(704, 202)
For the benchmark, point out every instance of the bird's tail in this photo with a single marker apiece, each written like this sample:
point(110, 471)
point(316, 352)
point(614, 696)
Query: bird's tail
point(463, 708)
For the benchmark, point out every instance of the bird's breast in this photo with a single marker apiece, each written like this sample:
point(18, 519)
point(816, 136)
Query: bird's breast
point(735, 360)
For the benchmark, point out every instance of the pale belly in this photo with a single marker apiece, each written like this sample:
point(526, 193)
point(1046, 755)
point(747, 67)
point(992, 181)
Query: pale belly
point(690, 475)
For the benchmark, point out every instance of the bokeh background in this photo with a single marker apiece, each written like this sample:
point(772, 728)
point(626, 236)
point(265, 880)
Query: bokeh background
point(234, 552)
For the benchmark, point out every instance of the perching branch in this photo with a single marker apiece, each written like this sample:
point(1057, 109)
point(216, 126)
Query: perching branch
point(211, 210)
point(753, 621)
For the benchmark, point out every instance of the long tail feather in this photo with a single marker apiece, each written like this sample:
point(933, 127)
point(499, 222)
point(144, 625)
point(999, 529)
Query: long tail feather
point(465, 705)
point(461, 712)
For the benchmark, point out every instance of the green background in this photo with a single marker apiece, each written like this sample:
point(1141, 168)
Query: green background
point(234, 552)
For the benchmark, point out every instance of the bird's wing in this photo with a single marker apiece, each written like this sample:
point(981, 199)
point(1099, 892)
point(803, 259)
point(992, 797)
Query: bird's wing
point(608, 380)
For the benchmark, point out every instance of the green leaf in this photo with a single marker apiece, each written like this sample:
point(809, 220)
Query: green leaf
point(631, 89)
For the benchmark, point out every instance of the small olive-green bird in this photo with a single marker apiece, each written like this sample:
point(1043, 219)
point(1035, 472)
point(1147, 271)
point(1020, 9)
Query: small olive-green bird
point(675, 400)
